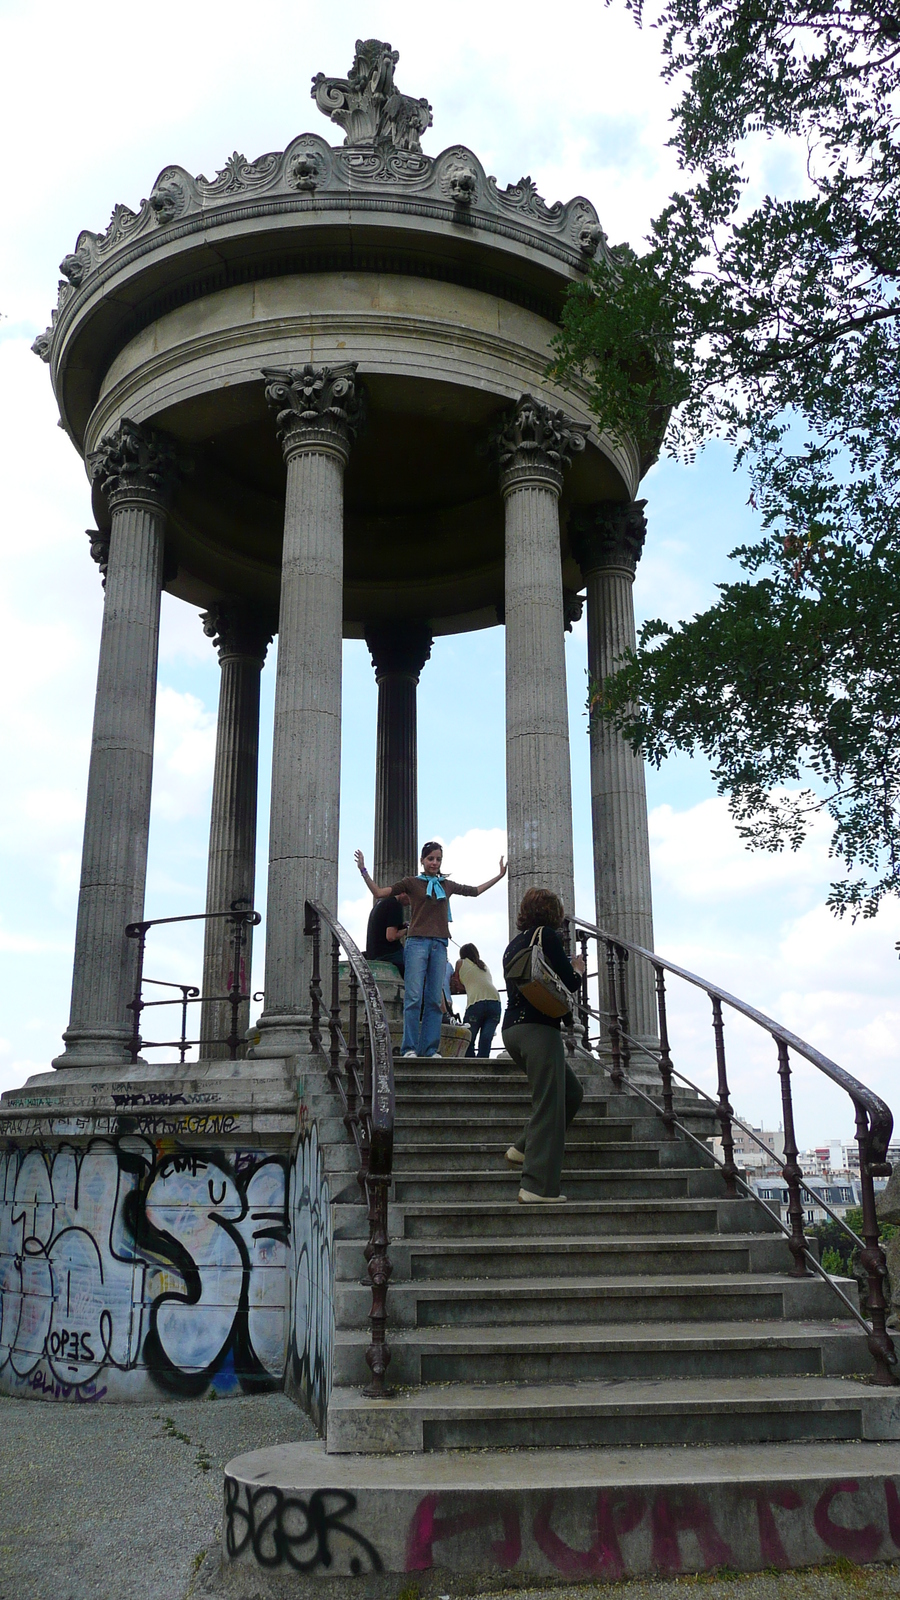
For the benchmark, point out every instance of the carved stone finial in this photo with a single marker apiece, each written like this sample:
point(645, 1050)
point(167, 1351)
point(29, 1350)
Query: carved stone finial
point(76, 267)
point(134, 459)
point(573, 606)
point(238, 629)
point(398, 647)
point(318, 404)
point(609, 533)
point(366, 104)
point(537, 440)
point(99, 538)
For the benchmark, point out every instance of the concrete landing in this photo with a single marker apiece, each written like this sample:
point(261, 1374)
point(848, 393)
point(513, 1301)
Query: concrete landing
point(474, 1521)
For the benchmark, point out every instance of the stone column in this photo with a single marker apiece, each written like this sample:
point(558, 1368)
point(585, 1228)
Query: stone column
point(535, 444)
point(319, 411)
point(399, 651)
point(241, 634)
point(135, 468)
point(607, 539)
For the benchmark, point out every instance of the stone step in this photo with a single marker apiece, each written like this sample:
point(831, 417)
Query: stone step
point(598, 1184)
point(617, 1414)
point(590, 1217)
point(548, 1353)
point(505, 1127)
point(657, 1298)
point(478, 1155)
point(471, 1521)
point(497, 1258)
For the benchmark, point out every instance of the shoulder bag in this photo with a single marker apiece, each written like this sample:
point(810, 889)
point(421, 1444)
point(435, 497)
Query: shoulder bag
point(536, 980)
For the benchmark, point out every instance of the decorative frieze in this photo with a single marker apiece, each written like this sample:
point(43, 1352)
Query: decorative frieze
point(238, 629)
point(315, 405)
point(537, 440)
point(134, 459)
point(609, 533)
point(381, 166)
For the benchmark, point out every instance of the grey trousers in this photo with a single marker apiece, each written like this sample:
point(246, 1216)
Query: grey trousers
point(556, 1095)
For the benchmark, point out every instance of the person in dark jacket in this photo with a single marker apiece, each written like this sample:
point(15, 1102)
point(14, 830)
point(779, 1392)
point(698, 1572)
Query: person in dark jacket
point(535, 1043)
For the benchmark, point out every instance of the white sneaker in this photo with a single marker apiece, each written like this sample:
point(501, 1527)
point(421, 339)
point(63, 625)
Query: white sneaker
point(528, 1199)
point(410, 1055)
point(433, 1055)
point(516, 1157)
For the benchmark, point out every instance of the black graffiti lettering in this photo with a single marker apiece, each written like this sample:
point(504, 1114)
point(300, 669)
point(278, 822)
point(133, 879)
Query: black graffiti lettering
point(286, 1530)
point(217, 1200)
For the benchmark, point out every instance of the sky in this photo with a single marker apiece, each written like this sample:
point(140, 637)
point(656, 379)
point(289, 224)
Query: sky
point(96, 101)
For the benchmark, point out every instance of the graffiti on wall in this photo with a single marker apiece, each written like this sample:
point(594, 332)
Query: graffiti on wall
point(577, 1535)
point(125, 1266)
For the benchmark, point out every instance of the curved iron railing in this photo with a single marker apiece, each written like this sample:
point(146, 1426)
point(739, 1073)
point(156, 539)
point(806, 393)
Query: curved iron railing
point(366, 1090)
point(874, 1121)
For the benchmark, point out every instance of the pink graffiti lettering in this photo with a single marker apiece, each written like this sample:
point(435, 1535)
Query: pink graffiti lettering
point(771, 1547)
point(683, 1512)
point(604, 1558)
point(426, 1530)
point(858, 1544)
point(893, 1510)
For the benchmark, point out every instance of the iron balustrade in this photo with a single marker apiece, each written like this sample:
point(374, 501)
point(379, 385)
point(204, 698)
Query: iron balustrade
point(241, 918)
point(874, 1121)
point(366, 1090)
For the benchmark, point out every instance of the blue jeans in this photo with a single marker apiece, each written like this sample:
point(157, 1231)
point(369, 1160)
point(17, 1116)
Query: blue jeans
point(426, 963)
point(482, 1018)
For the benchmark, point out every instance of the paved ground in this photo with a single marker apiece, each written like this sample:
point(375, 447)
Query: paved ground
point(124, 1503)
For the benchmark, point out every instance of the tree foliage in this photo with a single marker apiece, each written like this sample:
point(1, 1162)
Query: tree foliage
point(774, 325)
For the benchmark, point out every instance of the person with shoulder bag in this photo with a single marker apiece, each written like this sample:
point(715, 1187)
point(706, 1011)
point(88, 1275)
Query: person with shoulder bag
point(540, 985)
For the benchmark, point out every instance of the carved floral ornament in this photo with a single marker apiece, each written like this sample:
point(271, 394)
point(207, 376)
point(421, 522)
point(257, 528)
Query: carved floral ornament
point(380, 163)
point(238, 629)
point(134, 457)
point(538, 436)
point(610, 533)
point(315, 399)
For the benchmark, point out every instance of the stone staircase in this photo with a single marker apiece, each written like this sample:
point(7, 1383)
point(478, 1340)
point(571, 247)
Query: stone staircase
point(647, 1310)
point(533, 1351)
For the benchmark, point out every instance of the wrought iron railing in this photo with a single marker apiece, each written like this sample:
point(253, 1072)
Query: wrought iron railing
point(241, 919)
point(365, 1088)
point(874, 1122)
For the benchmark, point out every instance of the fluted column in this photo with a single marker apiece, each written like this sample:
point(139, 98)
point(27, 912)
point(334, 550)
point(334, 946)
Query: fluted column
point(135, 468)
point(319, 411)
point(607, 539)
point(535, 444)
point(399, 651)
point(241, 634)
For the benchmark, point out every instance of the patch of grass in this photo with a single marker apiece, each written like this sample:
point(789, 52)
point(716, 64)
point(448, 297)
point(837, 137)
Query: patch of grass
point(171, 1432)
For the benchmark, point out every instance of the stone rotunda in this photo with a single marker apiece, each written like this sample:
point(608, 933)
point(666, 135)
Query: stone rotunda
point(311, 396)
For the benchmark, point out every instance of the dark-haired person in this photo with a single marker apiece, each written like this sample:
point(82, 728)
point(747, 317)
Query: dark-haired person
point(426, 944)
point(482, 1000)
point(385, 933)
point(535, 1043)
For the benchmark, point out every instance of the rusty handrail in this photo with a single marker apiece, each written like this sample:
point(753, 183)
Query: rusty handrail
point(368, 1100)
point(874, 1121)
point(242, 919)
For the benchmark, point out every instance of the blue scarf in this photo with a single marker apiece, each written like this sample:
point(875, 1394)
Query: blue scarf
point(435, 891)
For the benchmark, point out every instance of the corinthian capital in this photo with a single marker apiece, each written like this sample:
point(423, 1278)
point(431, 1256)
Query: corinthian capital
point(609, 533)
point(238, 629)
point(316, 406)
point(134, 460)
point(400, 648)
point(537, 441)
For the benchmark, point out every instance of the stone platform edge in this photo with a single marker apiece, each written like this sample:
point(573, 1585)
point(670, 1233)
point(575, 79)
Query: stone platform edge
point(300, 1522)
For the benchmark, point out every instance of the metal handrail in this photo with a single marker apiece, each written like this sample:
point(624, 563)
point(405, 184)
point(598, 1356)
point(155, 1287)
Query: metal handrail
point(242, 918)
point(874, 1121)
point(368, 1100)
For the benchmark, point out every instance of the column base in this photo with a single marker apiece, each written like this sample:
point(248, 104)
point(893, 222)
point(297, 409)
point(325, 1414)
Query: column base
point(94, 1047)
point(281, 1034)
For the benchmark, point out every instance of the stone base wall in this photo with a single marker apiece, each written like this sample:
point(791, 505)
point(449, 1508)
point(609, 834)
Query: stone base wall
point(166, 1231)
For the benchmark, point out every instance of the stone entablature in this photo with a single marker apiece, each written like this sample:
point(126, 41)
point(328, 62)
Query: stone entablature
point(387, 172)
